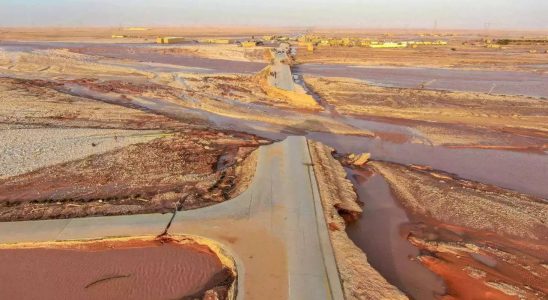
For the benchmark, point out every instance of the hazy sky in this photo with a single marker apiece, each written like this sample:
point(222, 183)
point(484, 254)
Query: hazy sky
point(522, 14)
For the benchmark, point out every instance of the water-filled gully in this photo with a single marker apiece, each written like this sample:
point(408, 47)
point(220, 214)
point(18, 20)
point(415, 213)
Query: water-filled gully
point(377, 233)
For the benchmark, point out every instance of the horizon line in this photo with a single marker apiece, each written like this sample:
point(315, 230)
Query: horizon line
point(222, 26)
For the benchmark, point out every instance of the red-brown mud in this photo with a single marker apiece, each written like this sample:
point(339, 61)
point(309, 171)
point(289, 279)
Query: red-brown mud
point(113, 269)
point(484, 241)
point(186, 170)
point(377, 234)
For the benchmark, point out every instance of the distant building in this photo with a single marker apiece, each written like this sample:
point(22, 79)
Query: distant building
point(169, 40)
point(388, 45)
point(218, 41)
point(250, 44)
point(137, 29)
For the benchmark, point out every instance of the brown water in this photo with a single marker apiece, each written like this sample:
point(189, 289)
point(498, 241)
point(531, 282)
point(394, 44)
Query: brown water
point(377, 233)
point(109, 270)
point(521, 171)
point(143, 53)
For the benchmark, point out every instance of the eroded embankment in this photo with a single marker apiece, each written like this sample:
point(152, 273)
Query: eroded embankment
point(484, 241)
point(378, 234)
point(359, 279)
point(122, 268)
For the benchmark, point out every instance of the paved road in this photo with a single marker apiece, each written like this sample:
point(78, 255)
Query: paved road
point(283, 79)
point(275, 229)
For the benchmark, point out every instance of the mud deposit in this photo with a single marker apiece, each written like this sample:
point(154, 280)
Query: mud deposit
point(113, 269)
point(484, 241)
point(186, 170)
point(377, 233)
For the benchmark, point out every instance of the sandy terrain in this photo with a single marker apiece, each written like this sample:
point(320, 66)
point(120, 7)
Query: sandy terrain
point(36, 103)
point(446, 118)
point(51, 132)
point(27, 149)
point(186, 170)
point(103, 34)
point(466, 57)
point(484, 241)
point(226, 95)
point(466, 49)
point(231, 52)
point(135, 135)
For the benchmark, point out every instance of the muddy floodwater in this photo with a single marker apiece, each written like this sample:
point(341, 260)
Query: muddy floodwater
point(495, 82)
point(143, 53)
point(521, 171)
point(135, 269)
point(378, 234)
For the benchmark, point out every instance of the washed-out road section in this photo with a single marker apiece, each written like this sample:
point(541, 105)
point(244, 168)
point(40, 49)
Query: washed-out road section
point(275, 230)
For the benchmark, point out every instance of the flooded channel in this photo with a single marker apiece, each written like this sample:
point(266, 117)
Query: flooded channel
point(142, 53)
point(378, 231)
point(119, 269)
point(520, 171)
point(378, 234)
point(495, 82)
